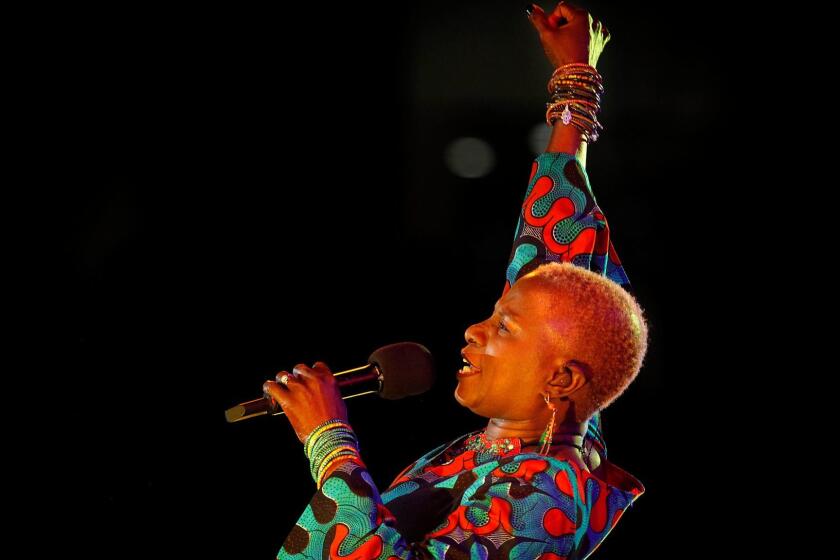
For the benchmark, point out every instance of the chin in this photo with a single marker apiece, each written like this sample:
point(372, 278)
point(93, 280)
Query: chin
point(467, 405)
point(460, 399)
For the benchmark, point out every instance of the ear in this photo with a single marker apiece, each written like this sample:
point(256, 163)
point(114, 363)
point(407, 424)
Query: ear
point(568, 377)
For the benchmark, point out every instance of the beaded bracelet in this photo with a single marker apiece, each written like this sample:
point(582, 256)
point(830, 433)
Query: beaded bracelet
point(333, 440)
point(316, 467)
point(576, 90)
point(342, 451)
point(571, 116)
point(329, 439)
point(595, 87)
point(581, 109)
point(573, 113)
point(328, 469)
point(576, 94)
point(585, 127)
point(310, 440)
point(578, 71)
point(327, 444)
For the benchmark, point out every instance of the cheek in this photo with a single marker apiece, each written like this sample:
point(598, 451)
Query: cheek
point(527, 375)
point(514, 359)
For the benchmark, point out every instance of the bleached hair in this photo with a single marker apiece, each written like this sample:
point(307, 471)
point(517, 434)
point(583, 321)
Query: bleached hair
point(609, 326)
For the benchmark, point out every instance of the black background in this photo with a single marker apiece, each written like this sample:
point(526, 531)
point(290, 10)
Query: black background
point(255, 189)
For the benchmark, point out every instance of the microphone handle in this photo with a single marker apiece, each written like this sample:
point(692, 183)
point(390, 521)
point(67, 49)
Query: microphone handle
point(368, 375)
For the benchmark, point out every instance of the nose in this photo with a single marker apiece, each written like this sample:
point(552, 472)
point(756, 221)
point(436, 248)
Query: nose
point(474, 334)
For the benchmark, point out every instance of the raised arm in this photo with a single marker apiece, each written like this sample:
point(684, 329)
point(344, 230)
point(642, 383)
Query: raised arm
point(560, 220)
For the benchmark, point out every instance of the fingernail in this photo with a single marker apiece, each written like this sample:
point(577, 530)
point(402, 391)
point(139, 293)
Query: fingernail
point(529, 8)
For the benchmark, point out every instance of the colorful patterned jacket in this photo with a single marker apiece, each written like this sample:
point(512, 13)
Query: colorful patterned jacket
point(457, 503)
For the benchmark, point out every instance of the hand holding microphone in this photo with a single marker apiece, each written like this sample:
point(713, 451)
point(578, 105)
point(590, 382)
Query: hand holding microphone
point(309, 397)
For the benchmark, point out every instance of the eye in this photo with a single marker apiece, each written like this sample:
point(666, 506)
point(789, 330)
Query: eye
point(501, 326)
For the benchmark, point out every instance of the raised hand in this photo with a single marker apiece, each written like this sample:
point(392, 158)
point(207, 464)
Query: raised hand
point(569, 34)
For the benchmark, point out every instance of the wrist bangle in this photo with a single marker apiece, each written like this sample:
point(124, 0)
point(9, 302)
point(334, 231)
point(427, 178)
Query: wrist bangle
point(328, 469)
point(343, 450)
point(309, 441)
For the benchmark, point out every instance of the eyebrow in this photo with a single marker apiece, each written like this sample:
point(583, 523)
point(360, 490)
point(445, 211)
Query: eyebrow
point(505, 311)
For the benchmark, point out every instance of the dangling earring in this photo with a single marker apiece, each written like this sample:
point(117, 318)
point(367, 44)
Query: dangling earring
point(547, 437)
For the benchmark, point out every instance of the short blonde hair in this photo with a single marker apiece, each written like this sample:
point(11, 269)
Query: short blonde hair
point(610, 332)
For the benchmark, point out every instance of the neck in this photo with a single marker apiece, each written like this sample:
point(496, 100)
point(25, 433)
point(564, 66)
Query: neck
point(530, 431)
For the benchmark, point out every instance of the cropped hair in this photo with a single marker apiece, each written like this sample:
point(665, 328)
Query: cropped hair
point(609, 330)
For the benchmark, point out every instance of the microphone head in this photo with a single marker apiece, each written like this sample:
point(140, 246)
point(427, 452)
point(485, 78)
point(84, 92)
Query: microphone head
point(407, 369)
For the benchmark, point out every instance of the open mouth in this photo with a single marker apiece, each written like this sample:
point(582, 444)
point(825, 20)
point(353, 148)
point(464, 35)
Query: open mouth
point(468, 368)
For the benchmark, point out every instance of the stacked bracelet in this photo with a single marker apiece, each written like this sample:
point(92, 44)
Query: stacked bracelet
point(576, 91)
point(330, 442)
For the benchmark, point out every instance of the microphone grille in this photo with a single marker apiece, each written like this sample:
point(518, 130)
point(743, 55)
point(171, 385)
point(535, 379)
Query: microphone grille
point(407, 369)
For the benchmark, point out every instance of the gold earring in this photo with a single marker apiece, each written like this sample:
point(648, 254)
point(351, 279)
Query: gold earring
point(547, 437)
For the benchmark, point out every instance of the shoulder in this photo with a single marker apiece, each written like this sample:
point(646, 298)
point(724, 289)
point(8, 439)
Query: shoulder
point(532, 481)
point(527, 495)
point(441, 455)
point(556, 477)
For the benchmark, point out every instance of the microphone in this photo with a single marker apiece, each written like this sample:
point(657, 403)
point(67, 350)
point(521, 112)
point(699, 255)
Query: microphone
point(394, 371)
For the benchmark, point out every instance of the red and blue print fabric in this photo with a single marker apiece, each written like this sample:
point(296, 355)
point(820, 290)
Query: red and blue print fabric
point(561, 222)
point(457, 503)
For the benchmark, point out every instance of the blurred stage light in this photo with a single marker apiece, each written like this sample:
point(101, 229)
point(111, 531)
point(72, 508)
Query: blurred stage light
point(469, 157)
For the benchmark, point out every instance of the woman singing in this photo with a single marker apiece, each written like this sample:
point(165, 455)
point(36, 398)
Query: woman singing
point(565, 339)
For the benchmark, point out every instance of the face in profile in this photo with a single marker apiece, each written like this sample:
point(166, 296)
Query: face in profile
point(514, 352)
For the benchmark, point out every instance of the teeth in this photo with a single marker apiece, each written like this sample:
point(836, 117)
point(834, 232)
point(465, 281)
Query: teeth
point(467, 365)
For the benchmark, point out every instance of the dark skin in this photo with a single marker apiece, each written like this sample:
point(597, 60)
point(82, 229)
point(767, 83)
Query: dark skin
point(524, 352)
point(569, 34)
point(532, 358)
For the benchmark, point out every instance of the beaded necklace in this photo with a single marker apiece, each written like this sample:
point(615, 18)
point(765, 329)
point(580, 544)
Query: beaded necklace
point(510, 445)
point(479, 442)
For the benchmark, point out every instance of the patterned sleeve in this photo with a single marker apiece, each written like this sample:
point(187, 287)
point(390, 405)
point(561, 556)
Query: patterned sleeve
point(560, 221)
point(526, 508)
